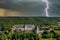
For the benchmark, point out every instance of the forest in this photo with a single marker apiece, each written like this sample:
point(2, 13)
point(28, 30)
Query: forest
point(6, 24)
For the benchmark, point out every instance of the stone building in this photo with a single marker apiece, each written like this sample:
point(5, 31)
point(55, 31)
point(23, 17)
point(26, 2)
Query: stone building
point(22, 27)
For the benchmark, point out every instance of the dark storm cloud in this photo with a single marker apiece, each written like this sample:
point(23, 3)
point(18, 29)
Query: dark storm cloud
point(54, 9)
point(28, 7)
point(33, 7)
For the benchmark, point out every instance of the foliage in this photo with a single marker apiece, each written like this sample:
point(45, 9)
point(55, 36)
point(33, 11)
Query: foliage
point(7, 23)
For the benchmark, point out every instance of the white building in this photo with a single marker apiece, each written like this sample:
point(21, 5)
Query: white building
point(18, 27)
point(28, 27)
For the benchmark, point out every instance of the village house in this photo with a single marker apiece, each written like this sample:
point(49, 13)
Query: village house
point(17, 28)
point(27, 28)
point(38, 30)
point(22, 27)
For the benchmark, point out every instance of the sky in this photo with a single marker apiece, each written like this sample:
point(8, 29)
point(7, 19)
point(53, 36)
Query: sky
point(30, 8)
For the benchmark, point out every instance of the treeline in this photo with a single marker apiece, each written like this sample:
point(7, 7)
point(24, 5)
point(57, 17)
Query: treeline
point(27, 20)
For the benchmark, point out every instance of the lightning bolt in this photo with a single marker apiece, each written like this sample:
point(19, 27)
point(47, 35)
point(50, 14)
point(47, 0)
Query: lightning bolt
point(47, 7)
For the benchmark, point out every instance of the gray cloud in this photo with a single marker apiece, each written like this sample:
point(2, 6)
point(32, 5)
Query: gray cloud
point(33, 7)
point(28, 8)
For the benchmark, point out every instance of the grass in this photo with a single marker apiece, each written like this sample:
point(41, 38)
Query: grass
point(48, 39)
point(57, 32)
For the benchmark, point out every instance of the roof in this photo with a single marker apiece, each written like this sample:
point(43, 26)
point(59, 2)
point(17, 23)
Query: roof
point(22, 26)
point(29, 25)
point(18, 26)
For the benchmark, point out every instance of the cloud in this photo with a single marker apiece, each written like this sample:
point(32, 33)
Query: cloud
point(28, 8)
